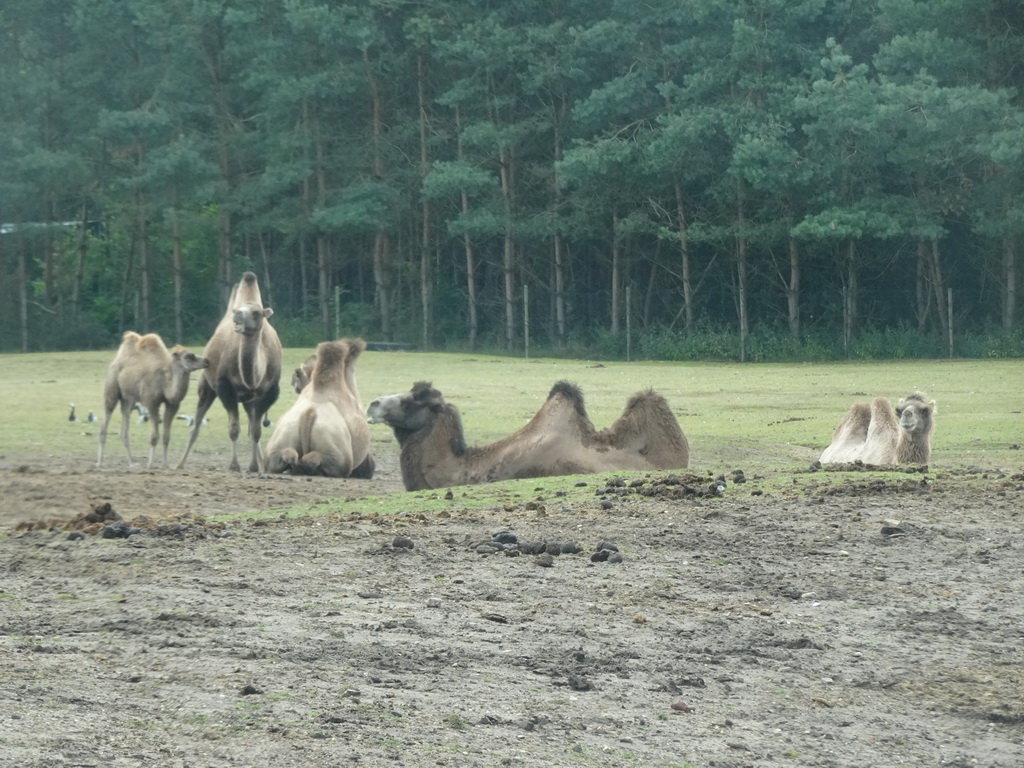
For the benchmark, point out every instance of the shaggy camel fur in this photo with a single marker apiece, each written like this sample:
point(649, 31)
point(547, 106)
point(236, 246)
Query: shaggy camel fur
point(145, 374)
point(558, 440)
point(878, 434)
point(302, 374)
point(325, 432)
point(245, 368)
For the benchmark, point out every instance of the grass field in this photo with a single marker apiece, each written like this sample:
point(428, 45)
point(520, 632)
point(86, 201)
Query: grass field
point(755, 416)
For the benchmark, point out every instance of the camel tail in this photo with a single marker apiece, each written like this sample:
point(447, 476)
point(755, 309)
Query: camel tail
point(570, 392)
point(306, 431)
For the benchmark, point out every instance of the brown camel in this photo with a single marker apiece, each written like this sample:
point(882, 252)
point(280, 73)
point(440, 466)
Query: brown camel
point(325, 432)
point(558, 440)
point(245, 368)
point(145, 374)
point(879, 434)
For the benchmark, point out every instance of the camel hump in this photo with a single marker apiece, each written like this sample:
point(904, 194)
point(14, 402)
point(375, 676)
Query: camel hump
point(249, 278)
point(330, 363)
point(570, 392)
point(130, 337)
point(648, 398)
point(355, 348)
point(424, 391)
point(150, 341)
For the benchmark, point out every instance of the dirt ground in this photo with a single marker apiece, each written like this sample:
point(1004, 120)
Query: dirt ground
point(877, 624)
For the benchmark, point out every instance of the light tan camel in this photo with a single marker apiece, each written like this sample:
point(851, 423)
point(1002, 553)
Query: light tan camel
point(325, 432)
point(245, 368)
point(558, 440)
point(879, 434)
point(145, 374)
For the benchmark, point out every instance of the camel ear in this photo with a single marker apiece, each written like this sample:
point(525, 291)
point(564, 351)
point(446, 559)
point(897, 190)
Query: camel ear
point(267, 312)
point(934, 407)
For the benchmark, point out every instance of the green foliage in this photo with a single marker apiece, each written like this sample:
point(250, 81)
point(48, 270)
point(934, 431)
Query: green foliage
point(328, 145)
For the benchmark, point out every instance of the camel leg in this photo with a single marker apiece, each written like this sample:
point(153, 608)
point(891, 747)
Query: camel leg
point(108, 412)
point(366, 469)
point(170, 411)
point(154, 434)
point(207, 395)
point(256, 411)
point(126, 412)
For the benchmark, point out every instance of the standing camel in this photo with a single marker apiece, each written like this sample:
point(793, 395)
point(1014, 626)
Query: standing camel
point(145, 374)
point(245, 368)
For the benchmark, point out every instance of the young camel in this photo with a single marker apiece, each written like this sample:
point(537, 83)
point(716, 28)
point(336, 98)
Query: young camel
point(145, 373)
point(325, 432)
point(245, 369)
point(558, 440)
point(878, 434)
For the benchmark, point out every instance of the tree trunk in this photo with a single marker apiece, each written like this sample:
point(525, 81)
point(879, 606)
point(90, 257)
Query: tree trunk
point(849, 296)
point(684, 255)
point(426, 272)
point(616, 308)
point(741, 270)
point(267, 287)
point(558, 244)
point(23, 291)
point(179, 335)
point(508, 250)
point(1009, 282)
point(143, 245)
point(323, 250)
point(923, 297)
point(83, 240)
point(381, 242)
point(793, 289)
point(467, 244)
point(938, 287)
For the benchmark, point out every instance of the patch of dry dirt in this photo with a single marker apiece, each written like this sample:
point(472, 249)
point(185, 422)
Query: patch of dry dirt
point(878, 624)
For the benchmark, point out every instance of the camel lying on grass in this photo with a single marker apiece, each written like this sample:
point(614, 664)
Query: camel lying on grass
point(145, 375)
point(325, 432)
point(558, 440)
point(245, 368)
point(878, 434)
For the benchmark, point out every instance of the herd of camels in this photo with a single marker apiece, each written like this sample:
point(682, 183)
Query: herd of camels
point(326, 432)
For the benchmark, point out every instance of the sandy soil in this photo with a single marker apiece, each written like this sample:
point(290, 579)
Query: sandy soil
point(880, 624)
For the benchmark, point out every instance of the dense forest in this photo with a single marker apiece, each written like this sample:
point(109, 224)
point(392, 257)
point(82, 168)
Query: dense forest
point(741, 179)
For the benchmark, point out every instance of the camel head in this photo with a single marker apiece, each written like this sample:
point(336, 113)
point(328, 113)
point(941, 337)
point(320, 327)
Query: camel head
point(249, 317)
point(189, 360)
point(915, 414)
point(409, 412)
point(303, 374)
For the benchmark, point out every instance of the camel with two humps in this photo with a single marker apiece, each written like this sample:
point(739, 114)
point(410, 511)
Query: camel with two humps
point(559, 440)
point(325, 432)
point(245, 369)
point(145, 374)
point(880, 434)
